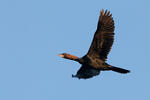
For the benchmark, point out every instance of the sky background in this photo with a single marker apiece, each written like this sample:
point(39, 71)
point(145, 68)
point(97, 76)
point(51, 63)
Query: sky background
point(34, 32)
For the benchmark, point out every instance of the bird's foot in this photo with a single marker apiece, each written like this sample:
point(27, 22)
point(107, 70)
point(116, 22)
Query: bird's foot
point(73, 76)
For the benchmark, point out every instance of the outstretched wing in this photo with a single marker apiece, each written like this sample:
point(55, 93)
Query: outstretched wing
point(103, 37)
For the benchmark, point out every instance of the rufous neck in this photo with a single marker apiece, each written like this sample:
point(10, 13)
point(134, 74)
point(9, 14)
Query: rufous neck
point(71, 57)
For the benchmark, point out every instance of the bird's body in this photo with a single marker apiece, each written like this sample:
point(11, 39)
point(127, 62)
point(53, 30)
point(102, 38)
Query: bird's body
point(95, 60)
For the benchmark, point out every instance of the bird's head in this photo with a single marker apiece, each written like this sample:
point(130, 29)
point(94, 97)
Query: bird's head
point(68, 56)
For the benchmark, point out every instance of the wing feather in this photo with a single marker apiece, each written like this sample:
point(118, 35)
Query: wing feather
point(103, 37)
point(86, 71)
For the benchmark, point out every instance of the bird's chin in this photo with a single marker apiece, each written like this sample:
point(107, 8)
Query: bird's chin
point(61, 55)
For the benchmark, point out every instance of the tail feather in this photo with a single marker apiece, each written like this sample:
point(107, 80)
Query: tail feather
point(119, 70)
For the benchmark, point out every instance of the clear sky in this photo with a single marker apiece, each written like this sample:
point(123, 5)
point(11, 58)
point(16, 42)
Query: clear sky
point(34, 32)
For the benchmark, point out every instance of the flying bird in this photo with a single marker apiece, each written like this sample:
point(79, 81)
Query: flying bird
point(95, 59)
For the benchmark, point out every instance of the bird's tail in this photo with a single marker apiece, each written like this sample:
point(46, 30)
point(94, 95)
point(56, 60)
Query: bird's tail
point(119, 70)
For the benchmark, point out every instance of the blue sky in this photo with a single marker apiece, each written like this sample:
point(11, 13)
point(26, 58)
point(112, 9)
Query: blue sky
point(34, 32)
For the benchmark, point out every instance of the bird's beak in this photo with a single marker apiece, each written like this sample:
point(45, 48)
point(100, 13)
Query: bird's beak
point(61, 55)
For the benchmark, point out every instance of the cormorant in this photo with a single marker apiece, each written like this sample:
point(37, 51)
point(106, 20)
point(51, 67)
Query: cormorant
point(95, 60)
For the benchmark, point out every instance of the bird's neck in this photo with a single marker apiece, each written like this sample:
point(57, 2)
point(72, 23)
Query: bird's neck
point(71, 57)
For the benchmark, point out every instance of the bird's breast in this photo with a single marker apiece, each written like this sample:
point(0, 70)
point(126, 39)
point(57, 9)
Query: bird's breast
point(94, 62)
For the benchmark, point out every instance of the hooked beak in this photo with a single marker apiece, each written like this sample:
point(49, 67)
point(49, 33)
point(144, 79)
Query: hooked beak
point(61, 55)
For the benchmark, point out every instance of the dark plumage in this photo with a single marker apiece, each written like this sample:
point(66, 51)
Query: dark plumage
point(94, 61)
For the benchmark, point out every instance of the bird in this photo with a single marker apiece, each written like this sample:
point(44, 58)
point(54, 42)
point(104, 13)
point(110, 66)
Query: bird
point(95, 60)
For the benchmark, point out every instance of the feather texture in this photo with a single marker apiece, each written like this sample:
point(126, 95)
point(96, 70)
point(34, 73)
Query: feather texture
point(103, 37)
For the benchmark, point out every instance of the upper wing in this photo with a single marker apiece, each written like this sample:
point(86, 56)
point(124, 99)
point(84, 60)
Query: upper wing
point(103, 37)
